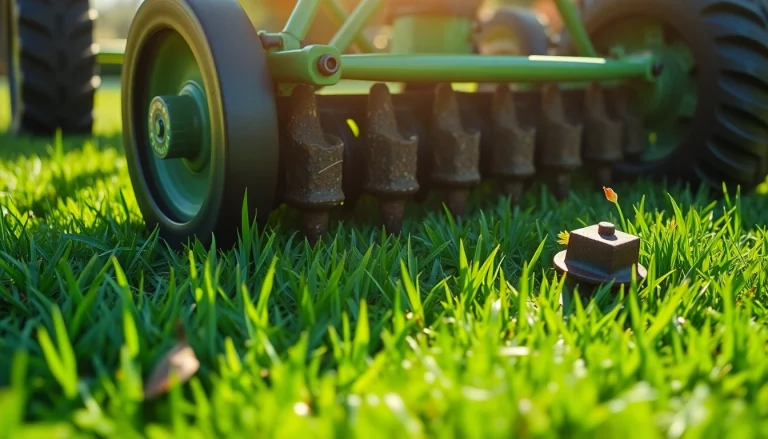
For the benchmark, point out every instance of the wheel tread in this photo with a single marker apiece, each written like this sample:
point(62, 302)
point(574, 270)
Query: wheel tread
point(750, 13)
point(58, 65)
point(730, 158)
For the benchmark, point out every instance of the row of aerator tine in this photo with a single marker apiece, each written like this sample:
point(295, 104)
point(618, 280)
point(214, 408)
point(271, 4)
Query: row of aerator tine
point(556, 146)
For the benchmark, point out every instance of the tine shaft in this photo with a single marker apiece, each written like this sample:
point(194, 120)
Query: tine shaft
point(313, 173)
point(603, 136)
point(512, 145)
point(560, 143)
point(391, 159)
point(455, 152)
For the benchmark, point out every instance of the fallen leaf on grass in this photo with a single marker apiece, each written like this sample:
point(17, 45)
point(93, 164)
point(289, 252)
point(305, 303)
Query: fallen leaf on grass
point(177, 366)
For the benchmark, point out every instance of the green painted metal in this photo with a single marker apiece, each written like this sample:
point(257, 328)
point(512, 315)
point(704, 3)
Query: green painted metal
point(301, 66)
point(474, 68)
point(182, 182)
point(286, 41)
point(360, 16)
point(175, 124)
point(432, 35)
point(575, 28)
point(337, 12)
point(669, 105)
point(301, 18)
point(432, 48)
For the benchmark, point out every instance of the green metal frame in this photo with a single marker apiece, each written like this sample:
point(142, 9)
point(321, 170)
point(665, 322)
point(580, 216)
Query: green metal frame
point(291, 64)
point(421, 54)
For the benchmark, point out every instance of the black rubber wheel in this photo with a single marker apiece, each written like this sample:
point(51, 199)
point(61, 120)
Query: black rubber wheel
point(175, 47)
point(54, 73)
point(723, 138)
point(513, 30)
point(352, 175)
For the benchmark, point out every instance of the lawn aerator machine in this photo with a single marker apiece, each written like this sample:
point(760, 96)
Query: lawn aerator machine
point(214, 109)
point(51, 61)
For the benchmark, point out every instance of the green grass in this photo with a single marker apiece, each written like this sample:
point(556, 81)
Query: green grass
point(451, 330)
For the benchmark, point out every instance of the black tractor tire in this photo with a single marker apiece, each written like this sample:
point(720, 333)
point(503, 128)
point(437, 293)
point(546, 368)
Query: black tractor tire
point(727, 139)
point(532, 33)
point(55, 68)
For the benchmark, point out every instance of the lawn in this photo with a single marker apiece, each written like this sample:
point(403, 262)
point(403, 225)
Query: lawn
point(453, 329)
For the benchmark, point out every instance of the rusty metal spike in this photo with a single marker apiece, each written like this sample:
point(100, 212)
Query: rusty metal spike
point(633, 140)
point(512, 145)
point(313, 171)
point(559, 148)
point(391, 159)
point(455, 152)
point(603, 136)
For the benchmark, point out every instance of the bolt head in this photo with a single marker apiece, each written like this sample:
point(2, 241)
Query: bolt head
point(606, 229)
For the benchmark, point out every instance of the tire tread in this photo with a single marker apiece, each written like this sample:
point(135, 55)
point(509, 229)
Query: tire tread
point(57, 61)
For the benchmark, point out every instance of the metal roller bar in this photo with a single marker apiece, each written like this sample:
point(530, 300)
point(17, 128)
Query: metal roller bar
point(474, 68)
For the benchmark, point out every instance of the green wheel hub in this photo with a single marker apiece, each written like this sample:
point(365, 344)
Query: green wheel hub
point(178, 127)
point(668, 105)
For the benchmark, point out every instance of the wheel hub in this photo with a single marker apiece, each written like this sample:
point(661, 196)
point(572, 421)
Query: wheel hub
point(175, 126)
point(663, 97)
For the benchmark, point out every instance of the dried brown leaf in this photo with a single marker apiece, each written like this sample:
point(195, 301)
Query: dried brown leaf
point(177, 366)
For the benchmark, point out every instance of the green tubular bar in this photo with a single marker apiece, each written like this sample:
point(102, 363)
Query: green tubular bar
point(354, 24)
point(340, 15)
point(575, 28)
point(301, 18)
point(473, 68)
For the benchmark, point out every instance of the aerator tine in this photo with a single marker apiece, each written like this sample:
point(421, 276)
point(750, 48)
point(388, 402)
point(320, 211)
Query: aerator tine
point(512, 145)
point(455, 152)
point(313, 166)
point(633, 132)
point(559, 143)
point(603, 136)
point(391, 159)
